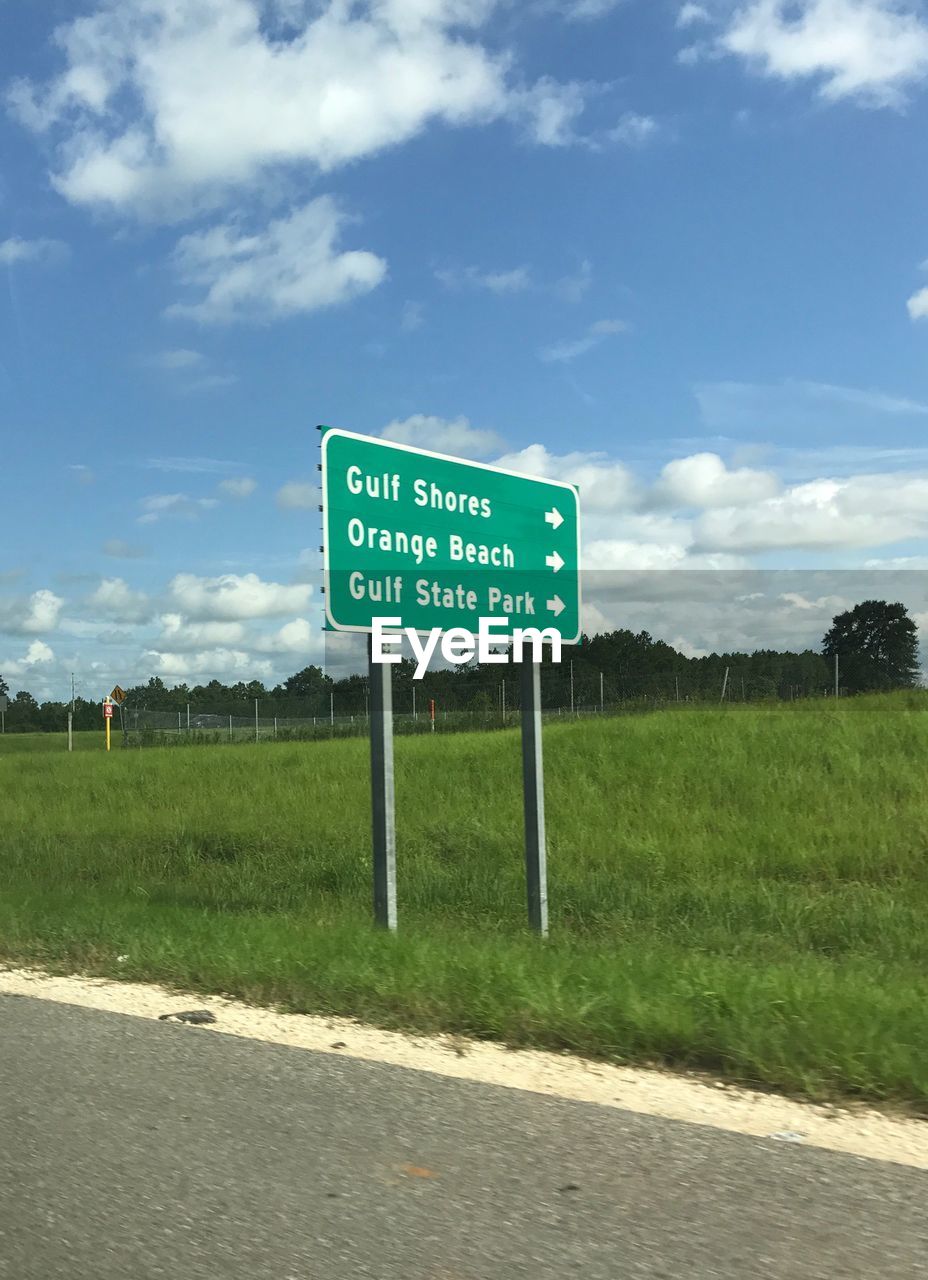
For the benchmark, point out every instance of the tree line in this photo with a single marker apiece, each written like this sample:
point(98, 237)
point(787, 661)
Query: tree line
point(876, 644)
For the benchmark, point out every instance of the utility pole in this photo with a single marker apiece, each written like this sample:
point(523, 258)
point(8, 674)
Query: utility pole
point(676, 685)
point(724, 685)
point(837, 694)
point(71, 717)
point(256, 719)
point(571, 686)
point(602, 700)
point(503, 700)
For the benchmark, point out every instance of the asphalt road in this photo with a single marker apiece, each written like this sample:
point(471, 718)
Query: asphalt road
point(131, 1150)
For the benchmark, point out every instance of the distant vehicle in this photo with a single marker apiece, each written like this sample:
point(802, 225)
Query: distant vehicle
point(208, 722)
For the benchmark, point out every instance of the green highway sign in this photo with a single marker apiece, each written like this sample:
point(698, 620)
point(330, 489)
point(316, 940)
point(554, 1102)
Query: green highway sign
point(442, 542)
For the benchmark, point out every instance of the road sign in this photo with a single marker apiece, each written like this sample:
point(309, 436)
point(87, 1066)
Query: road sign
point(3, 704)
point(107, 711)
point(118, 695)
point(442, 542)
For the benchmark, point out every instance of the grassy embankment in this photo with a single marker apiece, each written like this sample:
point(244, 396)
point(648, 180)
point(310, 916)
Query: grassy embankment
point(743, 890)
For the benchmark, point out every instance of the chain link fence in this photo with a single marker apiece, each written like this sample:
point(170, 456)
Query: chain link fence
point(439, 704)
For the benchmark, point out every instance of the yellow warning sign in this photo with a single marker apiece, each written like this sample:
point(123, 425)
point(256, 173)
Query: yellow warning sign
point(118, 695)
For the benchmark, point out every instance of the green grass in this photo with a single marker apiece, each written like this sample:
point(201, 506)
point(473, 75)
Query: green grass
point(85, 740)
point(741, 890)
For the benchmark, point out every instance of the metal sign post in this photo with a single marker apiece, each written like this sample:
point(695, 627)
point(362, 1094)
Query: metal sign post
point(383, 805)
point(3, 706)
point(533, 787)
point(439, 543)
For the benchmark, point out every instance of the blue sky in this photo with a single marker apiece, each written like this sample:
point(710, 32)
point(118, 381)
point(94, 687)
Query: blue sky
point(671, 252)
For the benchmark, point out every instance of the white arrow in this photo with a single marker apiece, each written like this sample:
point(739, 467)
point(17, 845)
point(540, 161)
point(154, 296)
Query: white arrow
point(554, 518)
point(554, 562)
point(556, 606)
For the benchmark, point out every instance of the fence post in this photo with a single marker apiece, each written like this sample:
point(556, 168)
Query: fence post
point(230, 728)
point(602, 698)
point(275, 728)
point(256, 719)
point(188, 717)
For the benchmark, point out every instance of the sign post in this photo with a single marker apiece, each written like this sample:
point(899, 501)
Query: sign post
point(440, 543)
point(383, 806)
point(107, 719)
point(3, 706)
point(118, 695)
point(533, 790)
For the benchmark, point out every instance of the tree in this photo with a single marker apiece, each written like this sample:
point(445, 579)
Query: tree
point(876, 644)
point(4, 687)
point(23, 713)
point(306, 683)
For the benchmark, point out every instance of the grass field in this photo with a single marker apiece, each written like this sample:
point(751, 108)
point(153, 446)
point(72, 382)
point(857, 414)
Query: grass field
point(15, 743)
point(742, 889)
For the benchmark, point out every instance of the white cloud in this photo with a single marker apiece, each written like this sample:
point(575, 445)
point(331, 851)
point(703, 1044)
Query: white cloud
point(574, 288)
point(37, 655)
point(166, 107)
point(918, 305)
point(82, 474)
point(234, 597)
point(634, 130)
point(297, 495)
point(16, 251)
point(830, 604)
point(872, 50)
point(861, 511)
point(703, 480)
point(604, 484)
point(181, 635)
point(515, 280)
point(158, 505)
point(649, 550)
point(290, 267)
point(563, 352)
point(441, 435)
point(37, 613)
point(116, 599)
point(691, 13)
point(918, 563)
point(550, 111)
point(238, 486)
point(293, 637)
point(210, 664)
